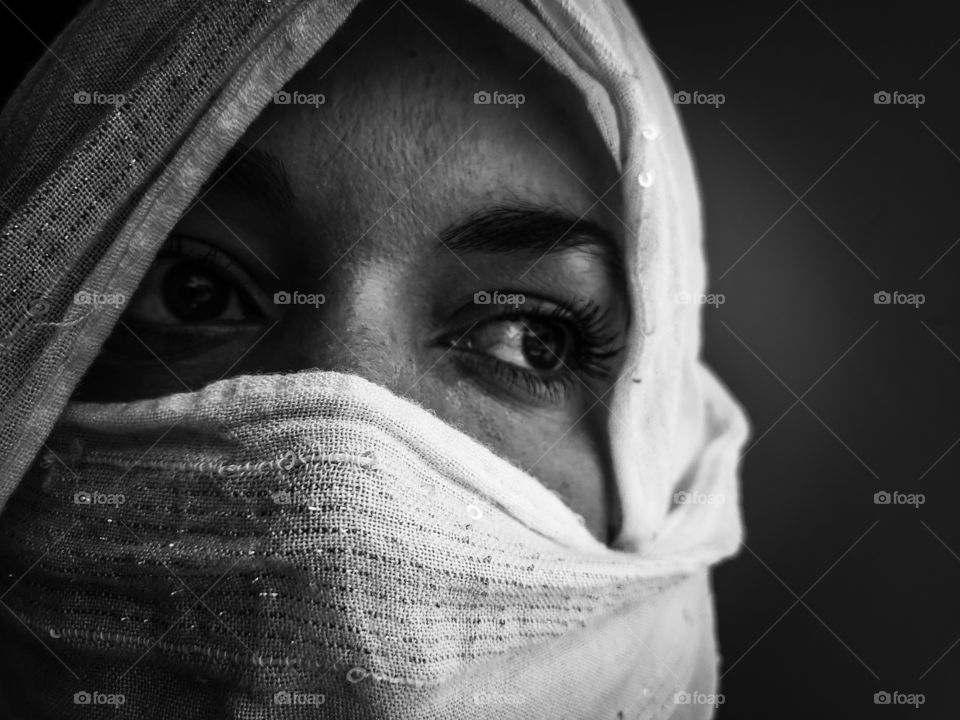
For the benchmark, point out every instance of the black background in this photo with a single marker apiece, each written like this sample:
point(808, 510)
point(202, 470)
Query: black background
point(833, 598)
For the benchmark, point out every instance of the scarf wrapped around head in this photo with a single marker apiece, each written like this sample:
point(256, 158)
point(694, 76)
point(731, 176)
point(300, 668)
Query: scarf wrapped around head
point(89, 192)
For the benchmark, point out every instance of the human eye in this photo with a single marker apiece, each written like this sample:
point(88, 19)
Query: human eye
point(543, 351)
point(194, 297)
point(193, 283)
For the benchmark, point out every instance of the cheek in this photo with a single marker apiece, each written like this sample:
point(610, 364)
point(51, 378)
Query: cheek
point(574, 469)
point(564, 450)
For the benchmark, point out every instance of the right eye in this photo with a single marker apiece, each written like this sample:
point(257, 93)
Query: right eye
point(192, 283)
point(194, 315)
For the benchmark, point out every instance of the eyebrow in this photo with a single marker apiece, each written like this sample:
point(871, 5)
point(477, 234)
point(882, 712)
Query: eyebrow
point(524, 230)
point(533, 231)
point(256, 175)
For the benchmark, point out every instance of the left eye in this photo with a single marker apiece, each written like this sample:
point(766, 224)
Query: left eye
point(528, 343)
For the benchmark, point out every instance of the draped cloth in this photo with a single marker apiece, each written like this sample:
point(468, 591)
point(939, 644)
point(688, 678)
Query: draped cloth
point(88, 193)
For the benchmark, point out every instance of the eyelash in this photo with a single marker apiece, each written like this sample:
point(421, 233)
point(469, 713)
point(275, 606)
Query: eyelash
point(595, 345)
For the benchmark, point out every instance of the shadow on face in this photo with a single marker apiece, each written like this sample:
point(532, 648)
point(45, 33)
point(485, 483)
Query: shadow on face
point(428, 205)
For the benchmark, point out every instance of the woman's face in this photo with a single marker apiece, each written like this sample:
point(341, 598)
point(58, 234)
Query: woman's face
point(386, 215)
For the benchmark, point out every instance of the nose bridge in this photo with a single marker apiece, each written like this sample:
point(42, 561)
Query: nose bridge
point(344, 332)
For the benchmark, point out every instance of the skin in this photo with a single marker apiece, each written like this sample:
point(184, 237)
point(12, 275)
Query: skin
point(399, 121)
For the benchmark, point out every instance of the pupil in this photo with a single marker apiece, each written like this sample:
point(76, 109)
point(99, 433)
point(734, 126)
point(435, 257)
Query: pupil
point(192, 294)
point(544, 347)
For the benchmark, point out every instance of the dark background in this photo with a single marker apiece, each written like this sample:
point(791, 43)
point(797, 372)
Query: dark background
point(833, 598)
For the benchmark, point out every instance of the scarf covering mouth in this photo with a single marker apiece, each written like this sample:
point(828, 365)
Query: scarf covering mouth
point(88, 193)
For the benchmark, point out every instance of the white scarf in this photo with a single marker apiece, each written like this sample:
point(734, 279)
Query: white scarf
point(90, 205)
point(313, 540)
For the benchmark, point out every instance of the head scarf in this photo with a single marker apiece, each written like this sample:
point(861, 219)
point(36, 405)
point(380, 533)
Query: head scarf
point(88, 193)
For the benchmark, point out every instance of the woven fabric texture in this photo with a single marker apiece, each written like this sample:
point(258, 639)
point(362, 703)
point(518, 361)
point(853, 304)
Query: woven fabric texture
point(310, 543)
point(411, 608)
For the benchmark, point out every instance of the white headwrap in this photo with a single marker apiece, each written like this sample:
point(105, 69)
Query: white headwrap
point(564, 627)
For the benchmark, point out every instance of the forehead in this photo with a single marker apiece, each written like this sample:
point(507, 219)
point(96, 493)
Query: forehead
point(388, 127)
